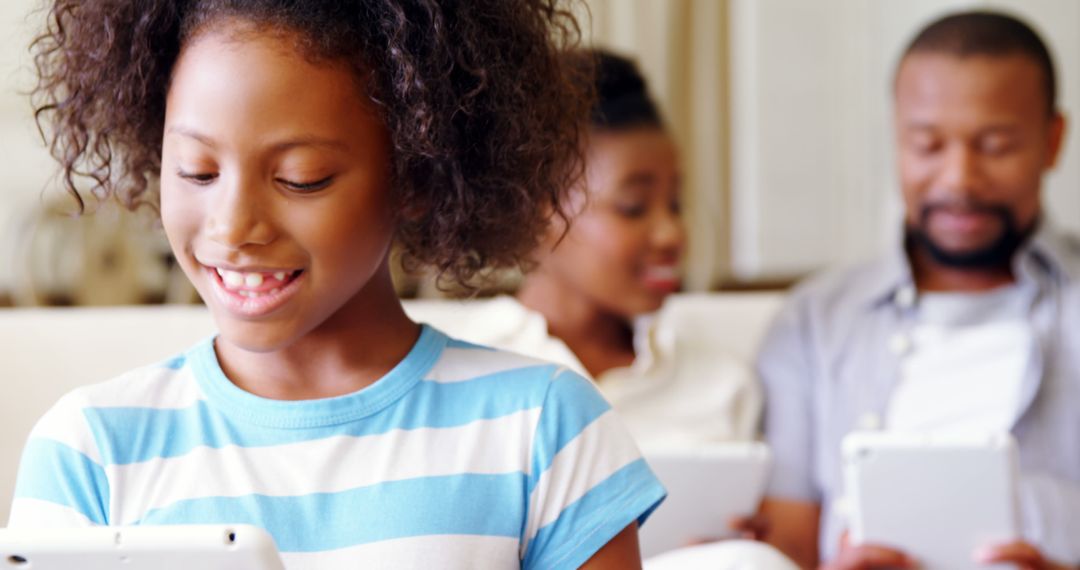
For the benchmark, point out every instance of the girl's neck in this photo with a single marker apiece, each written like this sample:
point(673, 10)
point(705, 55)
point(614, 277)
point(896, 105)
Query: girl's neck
point(354, 348)
point(600, 340)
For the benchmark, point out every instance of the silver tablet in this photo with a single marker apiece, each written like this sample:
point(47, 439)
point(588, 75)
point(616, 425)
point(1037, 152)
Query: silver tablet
point(182, 547)
point(935, 499)
point(707, 487)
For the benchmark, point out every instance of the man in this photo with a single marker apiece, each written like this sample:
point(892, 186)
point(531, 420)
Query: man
point(957, 331)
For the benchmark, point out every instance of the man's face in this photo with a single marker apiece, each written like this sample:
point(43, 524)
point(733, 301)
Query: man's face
point(974, 139)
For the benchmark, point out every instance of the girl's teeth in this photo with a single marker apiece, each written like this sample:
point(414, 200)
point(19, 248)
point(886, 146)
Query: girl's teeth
point(236, 280)
point(232, 279)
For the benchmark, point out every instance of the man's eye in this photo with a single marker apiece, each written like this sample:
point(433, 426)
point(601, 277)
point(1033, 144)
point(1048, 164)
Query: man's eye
point(306, 186)
point(197, 177)
point(996, 145)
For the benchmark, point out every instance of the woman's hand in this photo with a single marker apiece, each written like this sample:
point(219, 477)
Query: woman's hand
point(1023, 555)
point(753, 527)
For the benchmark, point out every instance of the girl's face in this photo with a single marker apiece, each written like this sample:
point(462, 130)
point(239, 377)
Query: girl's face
point(274, 187)
point(623, 250)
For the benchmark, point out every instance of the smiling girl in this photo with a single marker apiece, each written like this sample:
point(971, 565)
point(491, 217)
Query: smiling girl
point(293, 143)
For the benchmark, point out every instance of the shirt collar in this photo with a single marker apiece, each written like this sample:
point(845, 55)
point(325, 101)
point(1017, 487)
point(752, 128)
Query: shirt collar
point(1047, 253)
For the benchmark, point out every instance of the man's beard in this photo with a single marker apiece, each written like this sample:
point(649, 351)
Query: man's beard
point(996, 254)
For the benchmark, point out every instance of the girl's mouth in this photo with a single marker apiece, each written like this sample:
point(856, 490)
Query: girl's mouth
point(254, 293)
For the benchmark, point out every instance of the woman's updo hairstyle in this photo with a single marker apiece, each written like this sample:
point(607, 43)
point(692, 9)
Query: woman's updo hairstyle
point(623, 101)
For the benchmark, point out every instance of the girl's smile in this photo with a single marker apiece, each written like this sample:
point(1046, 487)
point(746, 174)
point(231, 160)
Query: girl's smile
point(254, 293)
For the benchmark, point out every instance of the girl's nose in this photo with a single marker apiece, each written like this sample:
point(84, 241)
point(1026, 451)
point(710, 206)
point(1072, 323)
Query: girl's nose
point(237, 216)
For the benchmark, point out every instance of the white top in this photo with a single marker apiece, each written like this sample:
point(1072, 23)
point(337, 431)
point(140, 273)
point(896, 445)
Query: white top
point(683, 388)
point(963, 365)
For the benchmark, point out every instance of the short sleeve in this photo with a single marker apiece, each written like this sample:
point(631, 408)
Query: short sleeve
point(587, 480)
point(61, 481)
point(785, 368)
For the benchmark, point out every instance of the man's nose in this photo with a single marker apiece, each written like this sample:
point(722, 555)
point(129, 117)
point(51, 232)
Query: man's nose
point(960, 172)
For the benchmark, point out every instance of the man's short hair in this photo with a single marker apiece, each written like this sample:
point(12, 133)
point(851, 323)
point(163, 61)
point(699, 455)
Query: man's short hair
point(995, 34)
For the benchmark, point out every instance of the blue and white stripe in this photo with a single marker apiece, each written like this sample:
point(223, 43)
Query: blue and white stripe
point(461, 456)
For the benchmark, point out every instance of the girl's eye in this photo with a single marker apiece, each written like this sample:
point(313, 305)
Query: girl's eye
point(306, 186)
point(200, 178)
point(630, 210)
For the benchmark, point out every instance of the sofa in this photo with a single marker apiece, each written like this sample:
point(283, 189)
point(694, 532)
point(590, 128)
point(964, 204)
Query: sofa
point(47, 352)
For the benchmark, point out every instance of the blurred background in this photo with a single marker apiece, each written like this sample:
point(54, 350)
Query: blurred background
point(782, 109)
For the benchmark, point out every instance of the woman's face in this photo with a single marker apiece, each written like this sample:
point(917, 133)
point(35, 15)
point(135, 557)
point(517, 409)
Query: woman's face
point(623, 248)
point(274, 186)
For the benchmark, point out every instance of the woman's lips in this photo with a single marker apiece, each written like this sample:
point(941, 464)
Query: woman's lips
point(664, 278)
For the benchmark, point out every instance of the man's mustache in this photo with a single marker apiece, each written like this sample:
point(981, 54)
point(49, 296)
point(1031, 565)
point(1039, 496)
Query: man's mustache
point(996, 209)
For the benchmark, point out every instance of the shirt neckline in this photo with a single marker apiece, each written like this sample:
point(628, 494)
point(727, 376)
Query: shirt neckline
point(1044, 251)
point(236, 403)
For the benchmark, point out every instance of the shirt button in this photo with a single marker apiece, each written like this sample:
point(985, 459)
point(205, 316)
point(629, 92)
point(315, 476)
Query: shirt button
point(905, 297)
point(899, 344)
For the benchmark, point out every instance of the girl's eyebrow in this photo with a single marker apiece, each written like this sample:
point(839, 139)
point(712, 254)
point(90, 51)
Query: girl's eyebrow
point(277, 147)
point(190, 133)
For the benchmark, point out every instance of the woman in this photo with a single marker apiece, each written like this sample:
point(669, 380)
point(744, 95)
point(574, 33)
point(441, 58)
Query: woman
point(595, 299)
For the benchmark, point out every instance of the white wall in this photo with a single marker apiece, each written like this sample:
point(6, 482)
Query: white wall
point(26, 166)
point(813, 178)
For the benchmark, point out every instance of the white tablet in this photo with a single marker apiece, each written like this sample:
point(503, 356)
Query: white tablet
point(182, 547)
point(936, 499)
point(707, 487)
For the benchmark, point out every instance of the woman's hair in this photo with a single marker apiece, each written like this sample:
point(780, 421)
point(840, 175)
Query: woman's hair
point(485, 113)
point(623, 101)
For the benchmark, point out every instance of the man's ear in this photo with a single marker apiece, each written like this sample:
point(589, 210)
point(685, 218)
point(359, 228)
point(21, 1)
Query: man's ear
point(1056, 138)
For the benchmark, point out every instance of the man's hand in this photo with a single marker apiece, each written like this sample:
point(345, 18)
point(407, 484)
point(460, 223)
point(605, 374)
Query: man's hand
point(867, 557)
point(1022, 554)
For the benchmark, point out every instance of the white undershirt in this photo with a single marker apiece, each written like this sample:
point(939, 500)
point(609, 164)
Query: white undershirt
point(963, 372)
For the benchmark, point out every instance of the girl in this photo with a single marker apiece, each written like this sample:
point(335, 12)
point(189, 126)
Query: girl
point(293, 142)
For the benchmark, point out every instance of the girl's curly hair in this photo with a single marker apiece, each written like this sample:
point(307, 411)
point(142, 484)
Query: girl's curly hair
point(485, 111)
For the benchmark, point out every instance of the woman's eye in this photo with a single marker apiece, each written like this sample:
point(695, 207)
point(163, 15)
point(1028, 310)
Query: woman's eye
point(925, 145)
point(306, 186)
point(201, 178)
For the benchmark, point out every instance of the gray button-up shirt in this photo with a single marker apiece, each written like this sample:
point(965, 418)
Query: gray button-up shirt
point(832, 358)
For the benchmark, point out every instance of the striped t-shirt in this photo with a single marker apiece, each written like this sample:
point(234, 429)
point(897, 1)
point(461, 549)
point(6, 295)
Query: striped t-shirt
point(460, 457)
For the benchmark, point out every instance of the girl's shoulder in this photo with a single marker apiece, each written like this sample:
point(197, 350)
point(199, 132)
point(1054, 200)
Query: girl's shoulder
point(465, 360)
